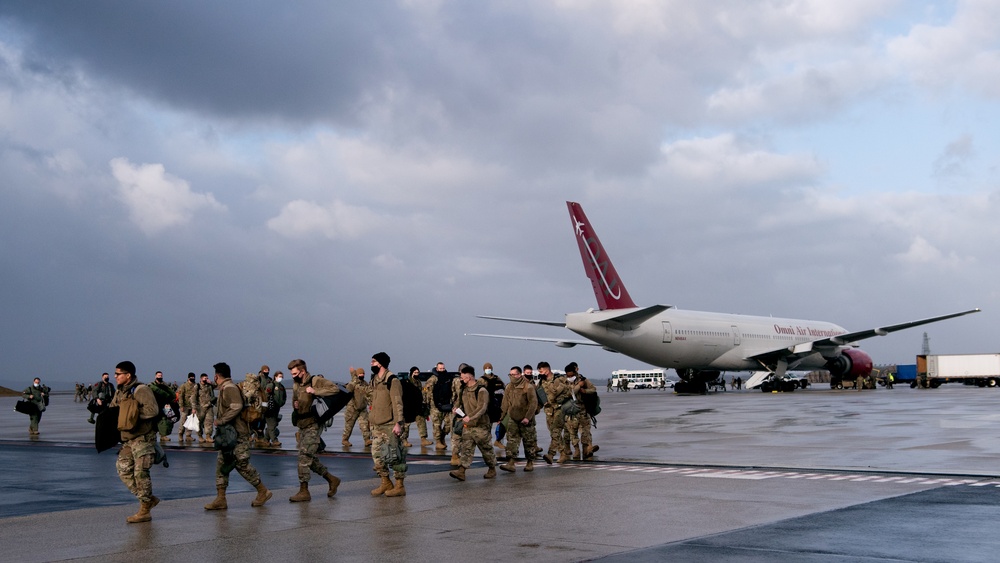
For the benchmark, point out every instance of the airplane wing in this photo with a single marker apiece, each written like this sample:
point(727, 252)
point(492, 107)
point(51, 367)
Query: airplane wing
point(560, 342)
point(802, 350)
point(529, 321)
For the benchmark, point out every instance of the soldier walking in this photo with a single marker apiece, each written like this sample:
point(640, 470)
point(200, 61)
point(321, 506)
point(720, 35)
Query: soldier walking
point(387, 421)
point(556, 393)
point(204, 400)
point(474, 402)
point(520, 402)
point(186, 402)
point(276, 397)
point(39, 395)
point(356, 411)
point(137, 416)
point(305, 387)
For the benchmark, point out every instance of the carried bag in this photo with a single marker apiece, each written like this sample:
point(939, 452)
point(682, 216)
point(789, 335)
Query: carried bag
point(323, 408)
point(458, 427)
point(106, 433)
point(191, 423)
point(570, 408)
point(26, 407)
point(225, 438)
point(94, 408)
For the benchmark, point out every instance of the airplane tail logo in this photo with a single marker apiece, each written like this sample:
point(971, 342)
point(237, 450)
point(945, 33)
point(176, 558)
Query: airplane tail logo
point(610, 292)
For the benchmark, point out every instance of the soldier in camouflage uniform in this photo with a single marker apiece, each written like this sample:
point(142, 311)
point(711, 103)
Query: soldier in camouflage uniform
point(387, 421)
point(230, 405)
point(306, 387)
point(159, 388)
point(356, 411)
point(186, 402)
point(440, 420)
point(204, 399)
point(520, 403)
point(474, 401)
point(556, 393)
point(138, 441)
point(276, 397)
point(579, 385)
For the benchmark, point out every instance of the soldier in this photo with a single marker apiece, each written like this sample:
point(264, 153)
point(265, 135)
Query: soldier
point(230, 405)
point(579, 385)
point(356, 410)
point(386, 420)
point(186, 402)
point(138, 412)
point(159, 388)
point(304, 388)
point(276, 397)
point(39, 395)
point(556, 393)
point(519, 404)
point(456, 441)
point(438, 390)
point(204, 400)
point(474, 402)
point(103, 392)
point(420, 420)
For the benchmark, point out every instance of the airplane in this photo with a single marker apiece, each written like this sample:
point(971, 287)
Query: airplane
point(701, 345)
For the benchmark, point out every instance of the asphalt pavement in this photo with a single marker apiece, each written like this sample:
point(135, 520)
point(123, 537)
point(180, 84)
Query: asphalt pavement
point(815, 475)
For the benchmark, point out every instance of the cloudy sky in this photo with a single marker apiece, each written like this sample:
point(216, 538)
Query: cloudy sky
point(184, 182)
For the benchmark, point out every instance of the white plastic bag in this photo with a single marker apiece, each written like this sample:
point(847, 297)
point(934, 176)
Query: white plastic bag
point(191, 422)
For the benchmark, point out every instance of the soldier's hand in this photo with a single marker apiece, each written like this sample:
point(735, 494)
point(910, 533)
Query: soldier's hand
point(309, 390)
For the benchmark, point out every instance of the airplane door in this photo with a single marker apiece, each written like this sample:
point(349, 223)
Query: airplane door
point(668, 332)
point(736, 336)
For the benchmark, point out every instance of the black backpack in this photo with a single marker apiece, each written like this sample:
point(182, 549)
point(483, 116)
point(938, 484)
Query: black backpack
point(165, 399)
point(413, 399)
point(442, 391)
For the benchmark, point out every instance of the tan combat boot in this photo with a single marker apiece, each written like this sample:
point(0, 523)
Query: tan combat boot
point(440, 446)
point(454, 459)
point(334, 483)
point(425, 442)
point(346, 443)
point(576, 452)
point(589, 451)
point(143, 515)
point(491, 472)
point(530, 466)
point(368, 443)
point(275, 444)
point(303, 494)
point(458, 473)
point(406, 443)
point(563, 457)
point(509, 466)
point(382, 488)
point(263, 495)
point(547, 458)
point(220, 500)
point(398, 491)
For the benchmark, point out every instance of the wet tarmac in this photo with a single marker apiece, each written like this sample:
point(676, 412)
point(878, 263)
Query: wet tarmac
point(815, 475)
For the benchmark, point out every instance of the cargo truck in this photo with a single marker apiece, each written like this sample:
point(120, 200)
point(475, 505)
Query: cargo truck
point(982, 370)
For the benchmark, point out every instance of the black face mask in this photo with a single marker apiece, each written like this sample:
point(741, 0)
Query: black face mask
point(375, 370)
point(158, 380)
point(297, 379)
point(191, 379)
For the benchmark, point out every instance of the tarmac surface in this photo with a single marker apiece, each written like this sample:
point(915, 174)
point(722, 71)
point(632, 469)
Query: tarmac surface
point(815, 475)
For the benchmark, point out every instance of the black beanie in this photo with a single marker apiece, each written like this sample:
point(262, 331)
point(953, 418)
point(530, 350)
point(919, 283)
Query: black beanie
point(382, 358)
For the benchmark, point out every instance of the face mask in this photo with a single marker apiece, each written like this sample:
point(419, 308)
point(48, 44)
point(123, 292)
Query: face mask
point(375, 370)
point(38, 384)
point(488, 371)
point(296, 379)
point(159, 380)
point(191, 379)
point(571, 379)
point(278, 379)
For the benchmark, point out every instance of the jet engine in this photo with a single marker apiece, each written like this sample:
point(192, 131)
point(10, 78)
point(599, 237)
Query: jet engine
point(850, 364)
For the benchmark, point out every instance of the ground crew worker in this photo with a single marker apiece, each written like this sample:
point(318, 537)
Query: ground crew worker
point(39, 395)
point(519, 405)
point(186, 402)
point(137, 423)
point(474, 401)
point(304, 389)
point(386, 418)
point(228, 409)
point(556, 393)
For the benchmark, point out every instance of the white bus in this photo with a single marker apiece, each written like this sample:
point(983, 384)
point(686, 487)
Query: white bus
point(652, 378)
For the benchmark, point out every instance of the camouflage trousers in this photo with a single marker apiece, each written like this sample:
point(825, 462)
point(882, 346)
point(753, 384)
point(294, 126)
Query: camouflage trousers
point(382, 440)
point(473, 437)
point(351, 416)
point(516, 433)
point(206, 422)
point(238, 459)
point(578, 428)
point(134, 460)
point(441, 424)
point(309, 440)
point(421, 423)
point(556, 421)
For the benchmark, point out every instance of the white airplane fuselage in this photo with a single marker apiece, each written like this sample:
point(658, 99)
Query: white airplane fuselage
point(702, 340)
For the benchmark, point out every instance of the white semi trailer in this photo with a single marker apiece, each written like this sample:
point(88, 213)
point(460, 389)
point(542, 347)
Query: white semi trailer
point(982, 370)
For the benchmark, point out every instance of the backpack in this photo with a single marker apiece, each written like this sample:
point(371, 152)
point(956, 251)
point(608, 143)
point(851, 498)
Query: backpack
point(413, 399)
point(254, 401)
point(591, 403)
point(442, 392)
point(168, 407)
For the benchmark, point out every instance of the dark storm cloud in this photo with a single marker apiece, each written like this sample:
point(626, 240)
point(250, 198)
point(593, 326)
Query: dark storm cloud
point(296, 61)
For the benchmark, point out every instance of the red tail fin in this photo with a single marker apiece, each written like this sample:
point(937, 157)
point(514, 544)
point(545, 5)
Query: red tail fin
point(610, 292)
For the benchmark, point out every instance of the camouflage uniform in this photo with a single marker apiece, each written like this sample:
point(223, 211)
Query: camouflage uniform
point(476, 432)
point(580, 422)
point(276, 397)
point(387, 410)
point(138, 443)
point(228, 408)
point(520, 402)
point(204, 394)
point(357, 409)
point(456, 392)
point(556, 393)
point(186, 402)
point(309, 430)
